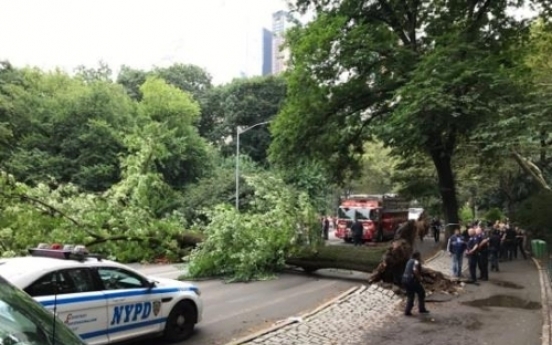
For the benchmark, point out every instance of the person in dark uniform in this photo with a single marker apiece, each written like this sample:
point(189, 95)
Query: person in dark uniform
point(510, 242)
point(471, 253)
point(520, 238)
point(412, 282)
point(483, 254)
point(494, 249)
point(465, 234)
point(326, 229)
point(436, 227)
point(358, 230)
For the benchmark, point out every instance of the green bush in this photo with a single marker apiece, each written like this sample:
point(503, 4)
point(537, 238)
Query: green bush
point(254, 244)
point(533, 215)
point(466, 213)
point(493, 215)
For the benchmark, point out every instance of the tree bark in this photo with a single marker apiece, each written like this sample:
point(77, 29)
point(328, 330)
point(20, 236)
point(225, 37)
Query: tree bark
point(361, 259)
point(532, 170)
point(447, 187)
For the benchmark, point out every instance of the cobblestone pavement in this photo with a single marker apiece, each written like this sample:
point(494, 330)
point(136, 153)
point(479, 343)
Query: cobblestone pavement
point(442, 262)
point(504, 310)
point(344, 322)
point(347, 321)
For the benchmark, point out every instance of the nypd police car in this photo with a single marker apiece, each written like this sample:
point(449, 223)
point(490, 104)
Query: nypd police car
point(104, 301)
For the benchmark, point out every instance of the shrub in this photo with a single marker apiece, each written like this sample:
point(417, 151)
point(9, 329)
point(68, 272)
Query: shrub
point(254, 244)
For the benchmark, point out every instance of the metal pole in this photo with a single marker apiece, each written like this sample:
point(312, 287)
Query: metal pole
point(237, 168)
point(238, 131)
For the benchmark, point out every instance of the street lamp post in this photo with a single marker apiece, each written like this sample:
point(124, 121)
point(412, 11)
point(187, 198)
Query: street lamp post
point(238, 132)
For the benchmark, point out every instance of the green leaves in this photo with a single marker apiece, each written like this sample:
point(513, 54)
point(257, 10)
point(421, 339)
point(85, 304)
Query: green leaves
point(244, 102)
point(163, 102)
point(65, 128)
point(253, 244)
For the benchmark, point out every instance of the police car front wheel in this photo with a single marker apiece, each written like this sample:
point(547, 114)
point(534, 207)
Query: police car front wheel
point(181, 321)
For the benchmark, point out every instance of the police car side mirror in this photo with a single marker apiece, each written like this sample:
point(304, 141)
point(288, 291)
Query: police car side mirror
point(151, 284)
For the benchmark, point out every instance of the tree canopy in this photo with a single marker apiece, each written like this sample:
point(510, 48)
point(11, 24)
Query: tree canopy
point(421, 76)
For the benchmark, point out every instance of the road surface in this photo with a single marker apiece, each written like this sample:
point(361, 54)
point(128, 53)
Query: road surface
point(237, 309)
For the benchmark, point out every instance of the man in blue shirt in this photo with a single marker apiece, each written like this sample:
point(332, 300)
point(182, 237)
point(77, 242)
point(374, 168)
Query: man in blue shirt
point(412, 282)
point(456, 248)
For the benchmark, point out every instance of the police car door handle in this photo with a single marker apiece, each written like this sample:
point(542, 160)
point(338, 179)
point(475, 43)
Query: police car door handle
point(118, 299)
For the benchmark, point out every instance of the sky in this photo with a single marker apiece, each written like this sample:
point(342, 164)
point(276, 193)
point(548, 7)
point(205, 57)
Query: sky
point(222, 36)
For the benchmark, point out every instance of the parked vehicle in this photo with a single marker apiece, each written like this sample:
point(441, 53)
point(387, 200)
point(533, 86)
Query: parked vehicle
point(104, 301)
point(380, 216)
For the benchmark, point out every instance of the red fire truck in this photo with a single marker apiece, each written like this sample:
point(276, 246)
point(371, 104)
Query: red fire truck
point(380, 216)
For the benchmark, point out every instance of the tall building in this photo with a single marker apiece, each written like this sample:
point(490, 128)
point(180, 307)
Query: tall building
point(280, 23)
point(267, 51)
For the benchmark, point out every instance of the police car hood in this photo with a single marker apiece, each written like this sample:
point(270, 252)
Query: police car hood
point(165, 282)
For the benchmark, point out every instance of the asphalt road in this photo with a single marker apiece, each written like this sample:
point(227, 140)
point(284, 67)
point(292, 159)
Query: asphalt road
point(237, 309)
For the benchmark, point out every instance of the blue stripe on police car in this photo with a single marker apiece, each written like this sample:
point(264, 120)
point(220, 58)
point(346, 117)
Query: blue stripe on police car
point(123, 328)
point(111, 294)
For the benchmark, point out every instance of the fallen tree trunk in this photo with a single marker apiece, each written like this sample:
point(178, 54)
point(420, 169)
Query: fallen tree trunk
point(362, 259)
point(384, 263)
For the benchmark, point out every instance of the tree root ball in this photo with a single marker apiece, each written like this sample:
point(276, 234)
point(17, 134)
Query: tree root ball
point(393, 263)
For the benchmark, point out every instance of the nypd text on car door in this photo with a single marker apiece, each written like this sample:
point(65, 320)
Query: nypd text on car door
point(133, 307)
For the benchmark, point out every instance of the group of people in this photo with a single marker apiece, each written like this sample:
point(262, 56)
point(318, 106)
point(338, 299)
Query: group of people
point(484, 245)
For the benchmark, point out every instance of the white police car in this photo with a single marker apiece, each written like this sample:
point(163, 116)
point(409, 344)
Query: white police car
point(103, 301)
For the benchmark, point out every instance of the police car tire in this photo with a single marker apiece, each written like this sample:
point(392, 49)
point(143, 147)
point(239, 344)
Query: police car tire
point(178, 333)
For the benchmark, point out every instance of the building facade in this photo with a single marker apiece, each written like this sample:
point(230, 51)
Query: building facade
point(280, 23)
point(267, 51)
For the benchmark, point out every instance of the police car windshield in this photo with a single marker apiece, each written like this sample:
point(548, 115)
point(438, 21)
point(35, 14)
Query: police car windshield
point(25, 322)
point(354, 213)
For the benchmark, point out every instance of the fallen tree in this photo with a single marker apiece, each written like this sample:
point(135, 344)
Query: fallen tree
point(384, 263)
point(242, 246)
point(362, 259)
point(395, 257)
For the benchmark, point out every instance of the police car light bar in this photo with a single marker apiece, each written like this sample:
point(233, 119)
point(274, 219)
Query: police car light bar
point(63, 254)
point(51, 253)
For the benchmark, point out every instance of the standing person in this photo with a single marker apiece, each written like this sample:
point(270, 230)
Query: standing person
point(503, 250)
point(483, 254)
point(326, 228)
point(436, 227)
point(456, 247)
point(520, 239)
point(494, 248)
point(510, 242)
point(358, 230)
point(471, 253)
point(412, 282)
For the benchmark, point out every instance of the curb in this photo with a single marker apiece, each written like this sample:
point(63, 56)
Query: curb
point(546, 295)
point(339, 298)
point(434, 256)
point(291, 320)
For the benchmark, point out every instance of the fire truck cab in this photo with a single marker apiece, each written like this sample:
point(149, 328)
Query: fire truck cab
point(380, 215)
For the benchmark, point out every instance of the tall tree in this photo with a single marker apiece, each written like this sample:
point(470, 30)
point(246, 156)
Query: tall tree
point(188, 78)
point(132, 79)
point(421, 75)
point(65, 129)
point(243, 103)
point(186, 155)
